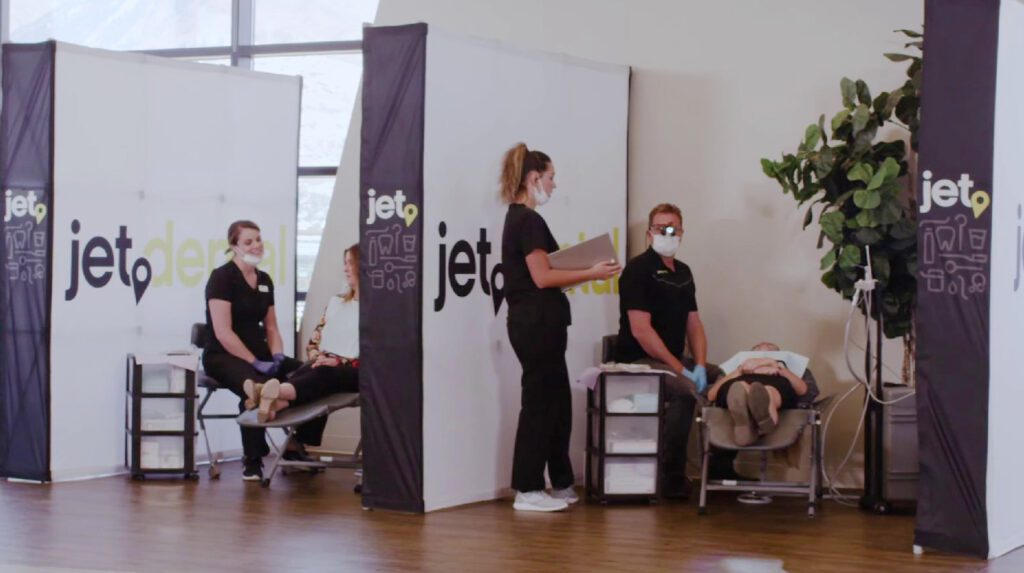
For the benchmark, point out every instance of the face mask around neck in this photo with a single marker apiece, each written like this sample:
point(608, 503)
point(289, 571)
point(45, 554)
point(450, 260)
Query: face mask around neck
point(250, 259)
point(539, 196)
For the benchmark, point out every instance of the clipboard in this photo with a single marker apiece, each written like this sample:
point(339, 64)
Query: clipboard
point(583, 255)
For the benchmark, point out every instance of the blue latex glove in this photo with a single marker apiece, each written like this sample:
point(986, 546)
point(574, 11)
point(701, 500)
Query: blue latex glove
point(264, 366)
point(699, 375)
point(278, 361)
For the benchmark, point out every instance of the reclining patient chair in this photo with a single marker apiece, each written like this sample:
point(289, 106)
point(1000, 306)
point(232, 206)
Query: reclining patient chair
point(290, 418)
point(716, 431)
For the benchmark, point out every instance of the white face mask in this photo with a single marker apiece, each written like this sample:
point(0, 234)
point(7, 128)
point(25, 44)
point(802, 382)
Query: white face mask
point(249, 258)
point(666, 246)
point(539, 196)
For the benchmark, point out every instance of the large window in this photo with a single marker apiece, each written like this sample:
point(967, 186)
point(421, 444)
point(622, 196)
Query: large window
point(319, 40)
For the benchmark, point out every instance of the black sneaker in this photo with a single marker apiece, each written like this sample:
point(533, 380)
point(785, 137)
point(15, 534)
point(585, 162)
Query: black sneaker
point(298, 456)
point(253, 470)
point(301, 455)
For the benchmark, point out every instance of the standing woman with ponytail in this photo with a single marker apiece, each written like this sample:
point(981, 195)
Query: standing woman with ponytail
point(538, 320)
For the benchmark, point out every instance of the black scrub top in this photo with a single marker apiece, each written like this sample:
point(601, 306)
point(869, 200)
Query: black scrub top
point(526, 231)
point(248, 308)
point(669, 296)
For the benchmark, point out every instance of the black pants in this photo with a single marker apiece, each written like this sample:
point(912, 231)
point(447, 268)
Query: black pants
point(232, 372)
point(311, 384)
point(545, 417)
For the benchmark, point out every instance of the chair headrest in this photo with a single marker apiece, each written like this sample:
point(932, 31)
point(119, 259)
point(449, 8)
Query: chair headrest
point(199, 335)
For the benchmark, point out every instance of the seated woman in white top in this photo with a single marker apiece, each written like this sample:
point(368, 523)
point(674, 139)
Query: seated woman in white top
point(333, 359)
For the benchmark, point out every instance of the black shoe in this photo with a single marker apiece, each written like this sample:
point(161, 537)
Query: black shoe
point(301, 455)
point(253, 470)
point(298, 456)
point(676, 488)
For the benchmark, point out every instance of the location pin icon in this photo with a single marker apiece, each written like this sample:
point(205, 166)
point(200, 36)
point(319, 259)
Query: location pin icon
point(980, 201)
point(141, 283)
point(410, 212)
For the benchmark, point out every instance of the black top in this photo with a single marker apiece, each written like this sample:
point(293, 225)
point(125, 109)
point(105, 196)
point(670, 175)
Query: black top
point(525, 231)
point(248, 308)
point(669, 296)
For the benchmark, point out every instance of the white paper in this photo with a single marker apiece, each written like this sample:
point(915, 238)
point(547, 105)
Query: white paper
point(796, 363)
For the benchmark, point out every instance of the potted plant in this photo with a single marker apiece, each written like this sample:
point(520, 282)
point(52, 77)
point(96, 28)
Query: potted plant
point(862, 195)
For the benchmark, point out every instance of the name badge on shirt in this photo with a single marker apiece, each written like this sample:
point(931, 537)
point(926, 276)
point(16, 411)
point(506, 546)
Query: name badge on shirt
point(263, 288)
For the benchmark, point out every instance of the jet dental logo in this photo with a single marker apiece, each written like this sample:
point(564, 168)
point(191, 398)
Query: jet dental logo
point(387, 206)
point(464, 265)
point(97, 263)
point(946, 193)
point(17, 206)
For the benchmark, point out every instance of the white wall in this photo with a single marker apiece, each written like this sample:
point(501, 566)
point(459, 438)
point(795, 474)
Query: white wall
point(126, 153)
point(1005, 500)
point(716, 86)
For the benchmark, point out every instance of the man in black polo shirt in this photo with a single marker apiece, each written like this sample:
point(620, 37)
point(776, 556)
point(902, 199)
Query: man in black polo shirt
point(657, 317)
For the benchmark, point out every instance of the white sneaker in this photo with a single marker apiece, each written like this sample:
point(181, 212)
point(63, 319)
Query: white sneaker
point(538, 501)
point(568, 495)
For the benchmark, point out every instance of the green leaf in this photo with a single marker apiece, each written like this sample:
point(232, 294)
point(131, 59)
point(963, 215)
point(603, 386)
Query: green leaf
point(832, 225)
point(890, 167)
point(868, 236)
point(839, 118)
point(862, 141)
point(808, 217)
point(849, 91)
point(769, 168)
point(910, 33)
point(825, 162)
point(898, 57)
point(828, 260)
point(889, 213)
point(812, 135)
point(866, 218)
point(880, 103)
point(861, 115)
point(866, 198)
point(849, 257)
point(860, 172)
point(829, 279)
point(863, 93)
point(880, 268)
point(903, 229)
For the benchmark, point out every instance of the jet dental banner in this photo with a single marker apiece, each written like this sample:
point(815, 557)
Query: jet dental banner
point(152, 159)
point(444, 242)
point(970, 291)
point(25, 146)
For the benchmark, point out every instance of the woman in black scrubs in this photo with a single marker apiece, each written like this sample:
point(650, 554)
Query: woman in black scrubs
point(538, 318)
point(243, 339)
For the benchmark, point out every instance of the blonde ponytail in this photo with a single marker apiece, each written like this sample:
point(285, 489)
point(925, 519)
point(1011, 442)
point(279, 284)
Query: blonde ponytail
point(517, 164)
point(512, 172)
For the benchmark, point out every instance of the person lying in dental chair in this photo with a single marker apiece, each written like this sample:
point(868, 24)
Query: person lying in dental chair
point(759, 383)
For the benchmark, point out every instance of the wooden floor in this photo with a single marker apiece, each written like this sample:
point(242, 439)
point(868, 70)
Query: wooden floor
point(315, 523)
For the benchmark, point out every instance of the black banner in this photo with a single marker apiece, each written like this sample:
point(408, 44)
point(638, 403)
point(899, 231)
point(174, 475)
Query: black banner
point(26, 148)
point(954, 246)
point(391, 248)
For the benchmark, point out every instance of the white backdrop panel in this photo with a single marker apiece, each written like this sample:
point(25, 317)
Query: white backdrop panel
point(173, 152)
point(481, 98)
point(1005, 499)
